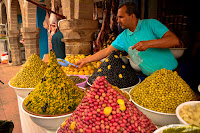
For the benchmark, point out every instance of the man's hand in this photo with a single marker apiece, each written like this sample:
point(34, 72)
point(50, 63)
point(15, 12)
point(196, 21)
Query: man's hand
point(141, 46)
point(81, 62)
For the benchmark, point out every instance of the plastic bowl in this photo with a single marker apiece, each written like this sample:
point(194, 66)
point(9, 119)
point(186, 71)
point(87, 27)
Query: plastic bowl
point(177, 52)
point(83, 84)
point(129, 88)
point(160, 130)
point(178, 109)
point(124, 59)
point(89, 83)
point(158, 118)
point(22, 92)
point(134, 66)
point(49, 122)
point(46, 122)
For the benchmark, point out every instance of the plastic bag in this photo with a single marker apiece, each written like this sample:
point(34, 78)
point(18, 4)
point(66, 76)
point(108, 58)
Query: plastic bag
point(4, 59)
point(135, 58)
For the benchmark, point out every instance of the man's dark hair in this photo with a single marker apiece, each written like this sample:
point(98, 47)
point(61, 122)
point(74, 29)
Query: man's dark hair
point(131, 8)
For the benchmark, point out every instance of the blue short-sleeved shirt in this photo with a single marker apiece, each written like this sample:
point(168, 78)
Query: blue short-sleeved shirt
point(153, 58)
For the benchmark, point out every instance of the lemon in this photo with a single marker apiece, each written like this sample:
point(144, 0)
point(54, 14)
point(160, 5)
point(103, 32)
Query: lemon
point(109, 66)
point(87, 72)
point(81, 73)
point(73, 124)
point(63, 124)
point(122, 107)
point(120, 76)
point(120, 101)
point(107, 110)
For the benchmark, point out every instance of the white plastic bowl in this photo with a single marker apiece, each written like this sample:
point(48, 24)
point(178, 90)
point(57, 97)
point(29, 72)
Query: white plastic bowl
point(89, 84)
point(158, 118)
point(22, 92)
point(160, 130)
point(47, 122)
point(124, 59)
point(177, 52)
point(129, 88)
point(178, 109)
point(134, 66)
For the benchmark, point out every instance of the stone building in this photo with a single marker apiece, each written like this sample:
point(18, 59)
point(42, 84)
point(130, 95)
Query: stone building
point(77, 29)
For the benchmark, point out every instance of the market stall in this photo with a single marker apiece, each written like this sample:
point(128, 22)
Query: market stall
point(148, 103)
point(53, 102)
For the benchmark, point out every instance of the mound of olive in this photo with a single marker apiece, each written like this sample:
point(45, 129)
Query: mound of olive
point(163, 91)
point(30, 74)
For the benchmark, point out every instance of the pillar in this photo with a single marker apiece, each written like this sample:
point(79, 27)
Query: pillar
point(31, 40)
point(15, 47)
point(79, 26)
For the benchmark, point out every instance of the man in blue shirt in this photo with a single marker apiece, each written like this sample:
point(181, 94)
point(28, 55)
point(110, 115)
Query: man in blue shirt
point(148, 36)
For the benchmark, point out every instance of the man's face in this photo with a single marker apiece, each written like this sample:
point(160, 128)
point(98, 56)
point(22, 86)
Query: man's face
point(123, 18)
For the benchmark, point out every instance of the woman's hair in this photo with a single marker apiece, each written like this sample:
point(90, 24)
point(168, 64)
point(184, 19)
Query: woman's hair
point(131, 8)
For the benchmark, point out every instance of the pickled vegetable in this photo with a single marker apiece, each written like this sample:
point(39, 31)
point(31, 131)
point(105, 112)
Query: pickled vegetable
point(163, 91)
point(77, 79)
point(100, 112)
point(87, 69)
point(191, 114)
point(179, 129)
point(117, 72)
point(55, 94)
point(30, 74)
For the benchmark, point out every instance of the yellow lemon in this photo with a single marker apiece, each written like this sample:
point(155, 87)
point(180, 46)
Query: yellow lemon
point(87, 72)
point(82, 56)
point(91, 71)
point(75, 72)
point(73, 124)
point(70, 73)
point(85, 68)
point(89, 68)
point(98, 64)
point(120, 101)
point(123, 66)
point(120, 76)
point(99, 70)
point(107, 110)
point(109, 66)
point(122, 107)
point(81, 73)
point(116, 56)
point(106, 60)
point(63, 124)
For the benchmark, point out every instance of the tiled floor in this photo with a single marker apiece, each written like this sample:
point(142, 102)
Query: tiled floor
point(8, 100)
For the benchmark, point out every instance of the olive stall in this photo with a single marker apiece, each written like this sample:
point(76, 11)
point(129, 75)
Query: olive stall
point(57, 104)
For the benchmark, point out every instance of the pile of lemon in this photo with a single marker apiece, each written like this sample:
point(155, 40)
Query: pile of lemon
point(87, 69)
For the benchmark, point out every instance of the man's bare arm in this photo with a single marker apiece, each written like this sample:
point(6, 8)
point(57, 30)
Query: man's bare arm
point(168, 40)
point(97, 56)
